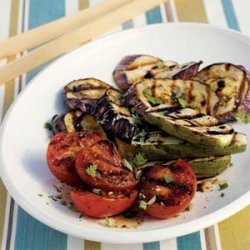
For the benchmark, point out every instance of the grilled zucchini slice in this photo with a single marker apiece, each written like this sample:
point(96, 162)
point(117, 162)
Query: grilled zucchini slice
point(157, 145)
point(192, 126)
point(83, 94)
point(229, 82)
point(156, 94)
point(203, 167)
point(135, 68)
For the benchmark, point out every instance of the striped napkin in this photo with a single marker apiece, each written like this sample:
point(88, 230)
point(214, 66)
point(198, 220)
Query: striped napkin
point(18, 230)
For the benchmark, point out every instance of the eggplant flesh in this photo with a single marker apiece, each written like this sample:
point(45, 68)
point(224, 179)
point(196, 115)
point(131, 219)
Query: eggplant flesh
point(83, 94)
point(183, 124)
point(77, 121)
point(115, 118)
point(230, 83)
point(156, 94)
point(135, 68)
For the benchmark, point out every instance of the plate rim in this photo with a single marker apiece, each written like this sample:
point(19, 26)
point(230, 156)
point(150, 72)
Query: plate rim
point(122, 236)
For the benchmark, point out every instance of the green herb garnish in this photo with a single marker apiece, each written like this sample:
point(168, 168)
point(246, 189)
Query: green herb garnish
point(139, 159)
point(138, 174)
point(81, 216)
point(128, 165)
point(189, 208)
point(153, 100)
point(222, 195)
point(160, 65)
point(143, 205)
point(97, 191)
point(168, 178)
point(71, 206)
point(107, 222)
point(92, 170)
point(223, 186)
point(138, 119)
point(241, 116)
point(48, 126)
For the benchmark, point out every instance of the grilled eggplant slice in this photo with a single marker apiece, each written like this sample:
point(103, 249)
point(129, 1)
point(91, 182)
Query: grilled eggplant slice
point(157, 145)
point(135, 68)
point(83, 94)
point(156, 94)
point(77, 121)
point(230, 83)
point(115, 118)
point(192, 126)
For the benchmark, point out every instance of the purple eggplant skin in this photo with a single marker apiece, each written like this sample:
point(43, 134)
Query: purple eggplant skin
point(119, 124)
point(83, 94)
point(58, 125)
point(129, 63)
point(188, 70)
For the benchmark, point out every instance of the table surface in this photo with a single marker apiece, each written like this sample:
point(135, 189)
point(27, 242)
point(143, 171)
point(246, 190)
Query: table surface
point(18, 230)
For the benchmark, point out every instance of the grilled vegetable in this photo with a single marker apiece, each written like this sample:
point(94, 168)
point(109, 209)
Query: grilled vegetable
point(230, 83)
point(76, 121)
point(203, 167)
point(157, 145)
point(115, 118)
point(210, 166)
point(83, 94)
point(135, 68)
point(167, 189)
point(155, 94)
point(192, 126)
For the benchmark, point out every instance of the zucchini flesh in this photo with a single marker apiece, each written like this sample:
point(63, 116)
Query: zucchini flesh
point(158, 146)
point(191, 126)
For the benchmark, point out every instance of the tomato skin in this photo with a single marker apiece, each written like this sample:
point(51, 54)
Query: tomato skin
point(61, 153)
point(175, 196)
point(111, 173)
point(97, 206)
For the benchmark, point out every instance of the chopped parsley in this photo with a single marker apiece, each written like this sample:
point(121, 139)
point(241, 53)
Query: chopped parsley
point(141, 136)
point(138, 119)
point(97, 191)
point(81, 216)
point(222, 195)
point(189, 208)
point(92, 170)
point(139, 159)
point(223, 186)
point(241, 116)
point(143, 204)
point(168, 178)
point(107, 222)
point(151, 99)
point(71, 206)
point(128, 165)
point(160, 65)
point(138, 174)
point(48, 126)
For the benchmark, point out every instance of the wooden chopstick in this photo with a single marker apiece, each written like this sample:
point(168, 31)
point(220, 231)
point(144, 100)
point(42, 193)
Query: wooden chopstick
point(75, 38)
point(47, 32)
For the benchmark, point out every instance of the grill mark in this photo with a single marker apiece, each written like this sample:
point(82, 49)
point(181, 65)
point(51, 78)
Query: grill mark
point(208, 94)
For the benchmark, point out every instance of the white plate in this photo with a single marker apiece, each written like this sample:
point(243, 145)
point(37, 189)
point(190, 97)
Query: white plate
point(23, 139)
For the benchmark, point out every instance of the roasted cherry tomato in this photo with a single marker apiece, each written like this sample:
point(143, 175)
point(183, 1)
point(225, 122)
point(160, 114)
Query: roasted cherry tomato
point(101, 166)
point(103, 204)
point(61, 154)
point(168, 190)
